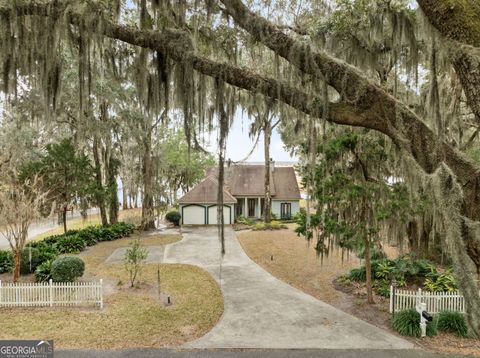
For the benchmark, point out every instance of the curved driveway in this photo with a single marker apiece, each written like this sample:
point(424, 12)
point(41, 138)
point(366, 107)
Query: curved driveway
point(264, 312)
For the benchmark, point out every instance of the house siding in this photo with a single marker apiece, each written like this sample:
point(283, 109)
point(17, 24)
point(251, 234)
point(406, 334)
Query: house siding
point(277, 203)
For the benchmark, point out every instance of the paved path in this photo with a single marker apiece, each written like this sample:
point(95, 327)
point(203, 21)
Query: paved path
point(257, 353)
point(264, 312)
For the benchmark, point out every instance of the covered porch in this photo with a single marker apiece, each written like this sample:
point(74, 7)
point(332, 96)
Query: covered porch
point(250, 207)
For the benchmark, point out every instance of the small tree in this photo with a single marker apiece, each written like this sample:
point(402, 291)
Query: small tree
point(134, 258)
point(20, 205)
point(66, 175)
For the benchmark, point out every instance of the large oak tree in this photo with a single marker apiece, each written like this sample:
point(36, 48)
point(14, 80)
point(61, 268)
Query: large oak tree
point(359, 102)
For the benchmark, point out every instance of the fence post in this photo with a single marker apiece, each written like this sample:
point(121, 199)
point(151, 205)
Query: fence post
point(50, 290)
point(419, 296)
point(391, 299)
point(101, 293)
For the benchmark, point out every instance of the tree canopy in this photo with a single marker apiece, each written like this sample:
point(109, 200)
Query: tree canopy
point(410, 74)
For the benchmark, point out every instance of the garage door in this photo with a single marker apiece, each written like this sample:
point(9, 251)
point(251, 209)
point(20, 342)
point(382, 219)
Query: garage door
point(212, 215)
point(193, 215)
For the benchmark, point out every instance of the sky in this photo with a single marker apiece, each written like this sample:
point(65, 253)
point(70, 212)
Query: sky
point(239, 143)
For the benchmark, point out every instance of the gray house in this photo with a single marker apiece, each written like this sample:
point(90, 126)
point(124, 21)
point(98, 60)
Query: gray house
point(243, 194)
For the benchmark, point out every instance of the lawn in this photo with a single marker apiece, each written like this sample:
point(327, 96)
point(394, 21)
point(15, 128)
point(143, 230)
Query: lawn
point(296, 262)
point(132, 317)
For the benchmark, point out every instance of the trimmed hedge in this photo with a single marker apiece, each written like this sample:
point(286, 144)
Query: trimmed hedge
point(67, 269)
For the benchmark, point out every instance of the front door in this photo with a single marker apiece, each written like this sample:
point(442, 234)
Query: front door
point(251, 208)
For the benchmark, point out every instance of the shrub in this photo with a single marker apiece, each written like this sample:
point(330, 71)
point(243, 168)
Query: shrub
point(6, 261)
point(173, 217)
point(43, 272)
point(89, 235)
point(29, 260)
point(67, 269)
point(46, 251)
point(273, 225)
point(382, 287)
point(122, 229)
point(70, 244)
point(244, 221)
point(407, 323)
point(454, 322)
point(444, 282)
point(358, 274)
point(133, 260)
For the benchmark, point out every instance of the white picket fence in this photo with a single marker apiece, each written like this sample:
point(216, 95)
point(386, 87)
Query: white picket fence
point(436, 301)
point(26, 294)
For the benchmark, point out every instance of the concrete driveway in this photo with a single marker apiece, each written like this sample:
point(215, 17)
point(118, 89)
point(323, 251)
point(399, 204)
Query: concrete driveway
point(264, 312)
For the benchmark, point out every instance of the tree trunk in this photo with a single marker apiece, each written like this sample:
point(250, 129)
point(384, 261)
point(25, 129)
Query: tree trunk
point(112, 189)
point(124, 197)
point(368, 270)
point(17, 255)
point(99, 192)
point(267, 131)
point(412, 234)
point(64, 217)
point(148, 214)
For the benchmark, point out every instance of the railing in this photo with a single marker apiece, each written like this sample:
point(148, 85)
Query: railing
point(436, 301)
point(51, 294)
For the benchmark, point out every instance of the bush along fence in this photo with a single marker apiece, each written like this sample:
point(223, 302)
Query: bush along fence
point(436, 302)
point(38, 256)
point(51, 294)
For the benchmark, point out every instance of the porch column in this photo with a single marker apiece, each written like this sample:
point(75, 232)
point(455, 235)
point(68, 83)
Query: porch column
point(245, 208)
point(259, 208)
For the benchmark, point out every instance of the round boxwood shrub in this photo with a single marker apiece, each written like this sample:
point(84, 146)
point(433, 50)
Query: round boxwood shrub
point(173, 217)
point(29, 260)
point(67, 269)
point(454, 322)
point(407, 323)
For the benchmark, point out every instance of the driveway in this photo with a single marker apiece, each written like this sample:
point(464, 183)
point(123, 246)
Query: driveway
point(264, 312)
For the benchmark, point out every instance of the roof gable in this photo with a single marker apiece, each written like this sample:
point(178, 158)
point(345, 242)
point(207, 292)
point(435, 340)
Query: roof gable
point(206, 192)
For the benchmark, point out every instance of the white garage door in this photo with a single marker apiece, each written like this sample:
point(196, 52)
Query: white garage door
point(193, 215)
point(212, 215)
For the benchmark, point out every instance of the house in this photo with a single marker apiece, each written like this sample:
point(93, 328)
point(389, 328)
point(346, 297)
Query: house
point(243, 194)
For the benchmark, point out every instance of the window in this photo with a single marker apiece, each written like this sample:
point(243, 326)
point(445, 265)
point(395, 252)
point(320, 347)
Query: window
point(286, 211)
point(262, 206)
point(251, 208)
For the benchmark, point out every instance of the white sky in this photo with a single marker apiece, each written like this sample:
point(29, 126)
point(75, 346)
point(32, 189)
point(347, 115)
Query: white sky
point(239, 143)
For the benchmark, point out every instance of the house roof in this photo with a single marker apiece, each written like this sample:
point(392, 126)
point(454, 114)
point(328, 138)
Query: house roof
point(206, 193)
point(245, 180)
point(286, 184)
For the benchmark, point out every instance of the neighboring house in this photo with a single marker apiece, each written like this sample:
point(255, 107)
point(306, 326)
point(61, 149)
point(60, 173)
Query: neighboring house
point(243, 194)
